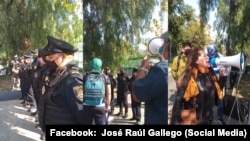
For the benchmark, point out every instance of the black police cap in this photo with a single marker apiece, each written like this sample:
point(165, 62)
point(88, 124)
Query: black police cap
point(28, 55)
point(58, 46)
point(41, 53)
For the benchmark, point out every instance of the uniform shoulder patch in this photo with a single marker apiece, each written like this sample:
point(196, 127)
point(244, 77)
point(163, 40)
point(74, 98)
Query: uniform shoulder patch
point(78, 91)
point(75, 72)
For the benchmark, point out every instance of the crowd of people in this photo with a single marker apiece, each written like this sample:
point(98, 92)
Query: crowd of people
point(52, 86)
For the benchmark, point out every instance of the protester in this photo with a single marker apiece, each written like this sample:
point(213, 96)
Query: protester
point(179, 61)
point(113, 85)
point(151, 87)
point(97, 95)
point(233, 77)
point(197, 88)
point(213, 54)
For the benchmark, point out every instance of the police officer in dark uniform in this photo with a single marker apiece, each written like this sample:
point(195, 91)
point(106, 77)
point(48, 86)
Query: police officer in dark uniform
point(25, 75)
point(61, 99)
point(39, 73)
point(122, 92)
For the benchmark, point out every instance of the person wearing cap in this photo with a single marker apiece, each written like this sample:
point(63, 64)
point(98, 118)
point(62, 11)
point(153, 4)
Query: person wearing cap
point(25, 75)
point(107, 72)
point(96, 102)
point(35, 62)
point(60, 102)
point(39, 74)
point(179, 61)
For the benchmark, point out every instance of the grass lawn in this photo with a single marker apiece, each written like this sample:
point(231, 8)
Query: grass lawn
point(5, 83)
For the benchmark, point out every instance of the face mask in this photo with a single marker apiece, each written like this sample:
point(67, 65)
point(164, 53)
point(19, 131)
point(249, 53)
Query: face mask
point(186, 52)
point(51, 65)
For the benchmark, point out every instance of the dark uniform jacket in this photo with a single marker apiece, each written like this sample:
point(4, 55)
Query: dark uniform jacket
point(62, 101)
point(38, 81)
point(25, 72)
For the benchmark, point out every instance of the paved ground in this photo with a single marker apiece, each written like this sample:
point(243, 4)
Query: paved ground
point(18, 125)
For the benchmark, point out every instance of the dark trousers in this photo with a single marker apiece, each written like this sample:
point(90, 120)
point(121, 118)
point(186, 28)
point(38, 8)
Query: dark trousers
point(222, 84)
point(96, 114)
point(136, 109)
point(122, 101)
point(112, 101)
point(233, 78)
point(27, 91)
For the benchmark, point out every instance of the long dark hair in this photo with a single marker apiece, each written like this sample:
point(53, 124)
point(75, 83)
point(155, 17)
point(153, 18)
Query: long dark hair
point(191, 63)
point(192, 58)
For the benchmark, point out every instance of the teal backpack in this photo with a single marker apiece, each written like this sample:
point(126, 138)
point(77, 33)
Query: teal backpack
point(94, 89)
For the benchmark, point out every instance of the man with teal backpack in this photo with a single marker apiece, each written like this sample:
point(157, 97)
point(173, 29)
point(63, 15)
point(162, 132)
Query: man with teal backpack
point(97, 95)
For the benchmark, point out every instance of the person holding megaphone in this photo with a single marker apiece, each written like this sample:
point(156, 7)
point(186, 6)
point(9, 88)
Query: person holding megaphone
point(150, 85)
point(197, 89)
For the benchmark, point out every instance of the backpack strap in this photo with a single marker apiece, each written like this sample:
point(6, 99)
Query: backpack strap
point(87, 73)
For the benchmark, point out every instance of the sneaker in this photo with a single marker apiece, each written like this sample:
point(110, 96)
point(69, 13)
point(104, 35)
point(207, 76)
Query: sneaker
point(221, 122)
point(33, 111)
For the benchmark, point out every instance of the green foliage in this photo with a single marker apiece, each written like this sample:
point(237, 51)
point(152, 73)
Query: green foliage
point(112, 29)
point(26, 23)
point(232, 23)
point(185, 26)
